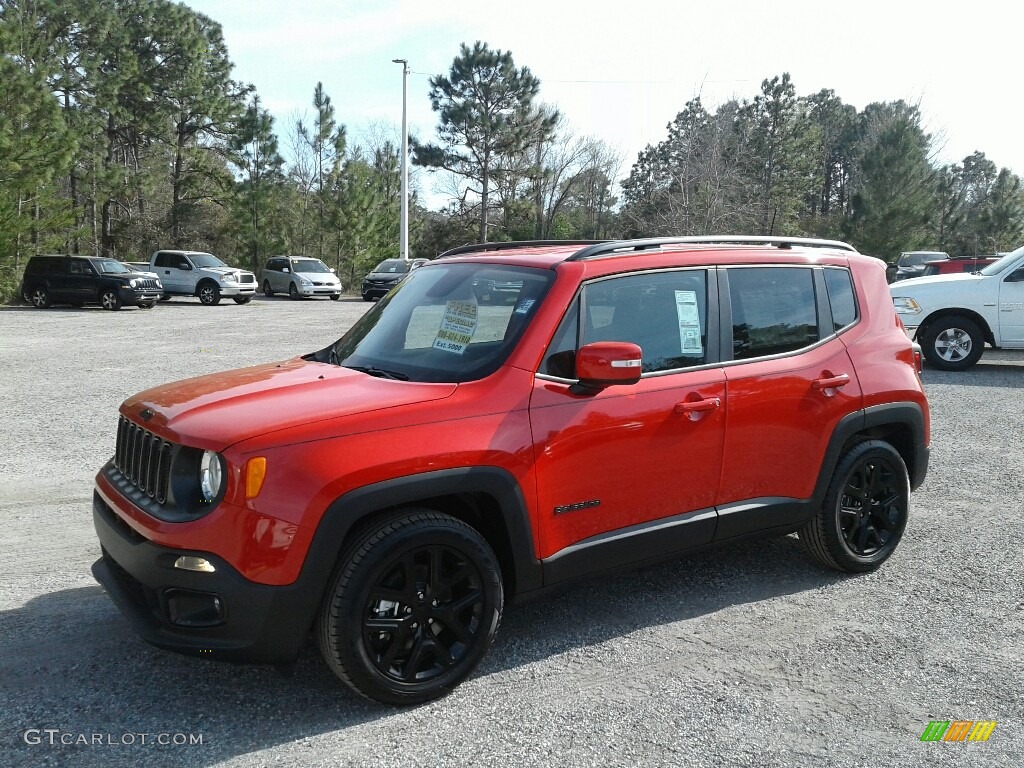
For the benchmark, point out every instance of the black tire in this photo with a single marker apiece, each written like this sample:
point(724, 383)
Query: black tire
point(209, 293)
point(267, 290)
point(846, 536)
point(110, 300)
point(367, 297)
point(335, 296)
point(39, 297)
point(412, 607)
point(147, 304)
point(165, 297)
point(293, 292)
point(952, 343)
point(242, 299)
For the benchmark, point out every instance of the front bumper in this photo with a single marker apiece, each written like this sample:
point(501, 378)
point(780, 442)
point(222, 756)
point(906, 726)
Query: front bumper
point(237, 289)
point(319, 290)
point(215, 615)
point(377, 290)
point(138, 296)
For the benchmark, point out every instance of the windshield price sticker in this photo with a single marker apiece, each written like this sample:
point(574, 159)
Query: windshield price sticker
point(457, 327)
point(689, 323)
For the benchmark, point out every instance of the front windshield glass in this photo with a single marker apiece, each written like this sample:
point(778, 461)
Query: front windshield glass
point(110, 267)
point(203, 260)
point(998, 266)
point(309, 265)
point(444, 323)
point(392, 266)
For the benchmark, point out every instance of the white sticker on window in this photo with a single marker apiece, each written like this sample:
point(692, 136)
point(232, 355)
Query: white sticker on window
point(457, 327)
point(689, 323)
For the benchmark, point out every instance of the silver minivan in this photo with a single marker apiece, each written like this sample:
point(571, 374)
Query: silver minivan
point(299, 277)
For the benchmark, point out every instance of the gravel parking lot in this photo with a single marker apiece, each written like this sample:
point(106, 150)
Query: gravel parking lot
point(750, 655)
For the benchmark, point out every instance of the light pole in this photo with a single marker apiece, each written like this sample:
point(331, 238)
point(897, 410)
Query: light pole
point(404, 225)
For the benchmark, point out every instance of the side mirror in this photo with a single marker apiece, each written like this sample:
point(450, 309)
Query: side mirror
point(285, 270)
point(332, 269)
point(606, 363)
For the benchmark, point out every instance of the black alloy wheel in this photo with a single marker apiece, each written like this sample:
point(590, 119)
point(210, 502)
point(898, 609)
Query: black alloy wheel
point(414, 606)
point(865, 510)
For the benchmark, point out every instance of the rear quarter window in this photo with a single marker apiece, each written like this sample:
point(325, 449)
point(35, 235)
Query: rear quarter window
point(839, 285)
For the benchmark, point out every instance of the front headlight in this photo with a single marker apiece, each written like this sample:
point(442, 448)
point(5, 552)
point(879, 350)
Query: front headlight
point(230, 277)
point(211, 475)
point(133, 283)
point(906, 305)
point(304, 281)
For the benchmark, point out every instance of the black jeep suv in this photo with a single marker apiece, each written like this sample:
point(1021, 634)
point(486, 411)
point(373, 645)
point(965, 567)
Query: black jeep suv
point(79, 280)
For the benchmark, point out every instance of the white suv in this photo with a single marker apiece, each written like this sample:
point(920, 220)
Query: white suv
point(953, 316)
point(300, 276)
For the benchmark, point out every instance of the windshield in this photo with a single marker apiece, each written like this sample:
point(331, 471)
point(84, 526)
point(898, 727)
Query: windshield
point(917, 258)
point(444, 323)
point(998, 266)
point(110, 266)
point(202, 260)
point(309, 265)
point(392, 266)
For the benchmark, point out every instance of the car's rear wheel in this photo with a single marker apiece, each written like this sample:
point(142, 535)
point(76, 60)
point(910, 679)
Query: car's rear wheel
point(209, 294)
point(267, 290)
point(412, 608)
point(953, 343)
point(110, 300)
point(242, 299)
point(864, 512)
point(39, 297)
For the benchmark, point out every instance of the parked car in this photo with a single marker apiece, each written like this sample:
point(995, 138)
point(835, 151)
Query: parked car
point(79, 280)
point(957, 265)
point(390, 491)
point(911, 263)
point(387, 275)
point(197, 273)
point(953, 316)
point(300, 277)
point(141, 268)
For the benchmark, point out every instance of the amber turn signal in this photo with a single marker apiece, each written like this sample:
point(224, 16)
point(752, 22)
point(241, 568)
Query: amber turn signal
point(255, 472)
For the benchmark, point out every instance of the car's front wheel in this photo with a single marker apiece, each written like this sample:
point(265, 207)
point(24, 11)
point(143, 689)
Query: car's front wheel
point(865, 509)
point(293, 292)
point(110, 300)
point(242, 299)
point(335, 296)
point(953, 343)
point(412, 608)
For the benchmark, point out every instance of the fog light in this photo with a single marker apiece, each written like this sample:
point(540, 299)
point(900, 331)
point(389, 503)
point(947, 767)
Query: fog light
point(189, 563)
point(194, 609)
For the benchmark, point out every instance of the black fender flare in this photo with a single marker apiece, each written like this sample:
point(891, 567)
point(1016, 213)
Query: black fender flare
point(357, 504)
point(902, 414)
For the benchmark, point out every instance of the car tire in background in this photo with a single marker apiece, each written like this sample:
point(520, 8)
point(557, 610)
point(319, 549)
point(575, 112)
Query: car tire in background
point(293, 292)
point(267, 290)
point(952, 343)
point(209, 293)
point(39, 297)
point(110, 300)
point(242, 299)
point(335, 296)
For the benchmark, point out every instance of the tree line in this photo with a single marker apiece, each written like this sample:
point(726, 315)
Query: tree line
point(122, 130)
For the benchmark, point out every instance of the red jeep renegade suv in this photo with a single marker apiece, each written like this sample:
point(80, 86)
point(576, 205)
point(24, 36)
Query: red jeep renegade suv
point(612, 404)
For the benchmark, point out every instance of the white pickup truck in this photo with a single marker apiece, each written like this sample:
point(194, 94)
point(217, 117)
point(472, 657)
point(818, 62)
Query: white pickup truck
point(953, 316)
point(195, 273)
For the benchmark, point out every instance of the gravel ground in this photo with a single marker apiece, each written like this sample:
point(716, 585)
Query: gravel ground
point(746, 656)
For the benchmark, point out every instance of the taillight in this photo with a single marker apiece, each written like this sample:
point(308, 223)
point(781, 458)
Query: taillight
point(918, 361)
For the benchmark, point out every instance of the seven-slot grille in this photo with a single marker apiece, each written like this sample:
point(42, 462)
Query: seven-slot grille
point(145, 282)
point(144, 459)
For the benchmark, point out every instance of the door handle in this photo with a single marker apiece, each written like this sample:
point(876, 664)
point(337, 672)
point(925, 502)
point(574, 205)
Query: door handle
point(831, 382)
point(695, 409)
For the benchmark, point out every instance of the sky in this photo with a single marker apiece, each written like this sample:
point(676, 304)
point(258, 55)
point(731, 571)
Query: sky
point(621, 71)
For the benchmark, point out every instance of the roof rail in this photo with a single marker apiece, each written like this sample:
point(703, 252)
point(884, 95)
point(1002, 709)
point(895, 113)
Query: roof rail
point(476, 247)
point(622, 247)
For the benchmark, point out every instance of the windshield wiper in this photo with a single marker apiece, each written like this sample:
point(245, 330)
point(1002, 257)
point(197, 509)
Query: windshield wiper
point(379, 372)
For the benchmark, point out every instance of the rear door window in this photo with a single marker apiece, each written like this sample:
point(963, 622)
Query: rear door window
point(774, 310)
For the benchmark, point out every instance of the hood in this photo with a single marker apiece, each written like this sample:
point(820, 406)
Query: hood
point(221, 409)
point(322, 277)
point(914, 282)
point(224, 270)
